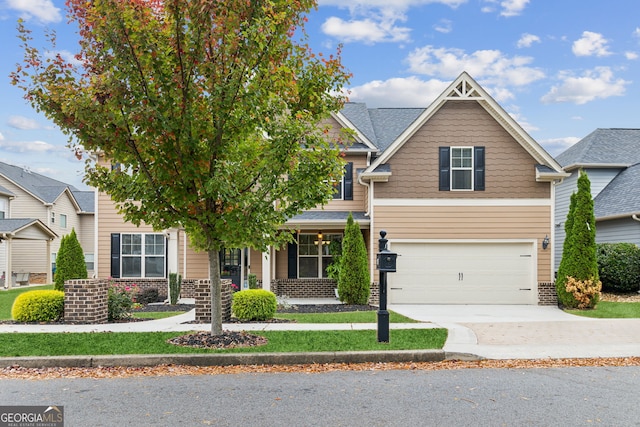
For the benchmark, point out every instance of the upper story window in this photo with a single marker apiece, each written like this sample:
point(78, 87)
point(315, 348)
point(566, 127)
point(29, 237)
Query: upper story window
point(462, 168)
point(344, 188)
point(63, 221)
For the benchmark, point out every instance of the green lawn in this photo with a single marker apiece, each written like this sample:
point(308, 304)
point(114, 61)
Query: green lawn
point(108, 343)
point(611, 310)
point(155, 314)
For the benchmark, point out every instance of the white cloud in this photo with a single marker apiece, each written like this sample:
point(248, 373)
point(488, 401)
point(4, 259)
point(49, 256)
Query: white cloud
point(65, 54)
point(1, 137)
point(590, 44)
point(367, 31)
point(399, 92)
point(636, 32)
point(445, 26)
point(598, 83)
point(527, 40)
point(27, 146)
point(43, 10)
point(513, 7)
point(555, 146)
point(491, 66)
point(631, 55)
point(397, 4)
point(23, 123)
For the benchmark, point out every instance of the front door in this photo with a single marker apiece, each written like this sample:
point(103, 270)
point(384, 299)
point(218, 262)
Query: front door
point(230, 266)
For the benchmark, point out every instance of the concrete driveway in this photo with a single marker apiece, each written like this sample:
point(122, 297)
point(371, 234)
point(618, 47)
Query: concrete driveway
point(527, 332)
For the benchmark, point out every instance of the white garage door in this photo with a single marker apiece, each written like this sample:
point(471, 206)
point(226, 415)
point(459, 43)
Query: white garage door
point(463, 273)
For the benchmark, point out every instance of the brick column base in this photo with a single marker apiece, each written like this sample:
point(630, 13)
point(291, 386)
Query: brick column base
point(86, 301)
point(202, 291)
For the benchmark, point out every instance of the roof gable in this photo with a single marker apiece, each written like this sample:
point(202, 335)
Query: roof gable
point(464, 88)
point(621, 196)
point(39, 186)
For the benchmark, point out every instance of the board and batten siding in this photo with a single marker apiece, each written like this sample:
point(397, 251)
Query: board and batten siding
point(509, 168)
point(481, 223)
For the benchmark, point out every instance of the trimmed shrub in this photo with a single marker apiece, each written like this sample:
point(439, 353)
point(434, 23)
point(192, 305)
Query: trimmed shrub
point(175, 283)
point(254, 304)
point(38, 306)
point(253, 281)
point(147, 296)
point(619, 266)
point(70, 262)
point(353, 278)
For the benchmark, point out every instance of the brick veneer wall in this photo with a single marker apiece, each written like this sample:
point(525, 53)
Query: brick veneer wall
point(547, 294)
point(202, 292)
point(303, 288)
point(374, 294)
point(85, 301)
point(187, 289)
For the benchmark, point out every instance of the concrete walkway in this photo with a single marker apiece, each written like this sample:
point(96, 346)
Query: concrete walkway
point(475, 331)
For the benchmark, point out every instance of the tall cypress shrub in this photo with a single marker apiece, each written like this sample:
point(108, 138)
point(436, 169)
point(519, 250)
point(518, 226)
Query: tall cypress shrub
point(579, 250)
point(353, 277)
point(70, 263)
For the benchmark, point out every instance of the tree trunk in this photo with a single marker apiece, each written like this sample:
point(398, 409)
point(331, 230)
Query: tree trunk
point(216, 293)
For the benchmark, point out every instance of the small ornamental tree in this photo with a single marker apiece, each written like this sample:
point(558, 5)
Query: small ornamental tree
point(211, 111)
point(579, 264)
point(70, 263)
point(353, 277)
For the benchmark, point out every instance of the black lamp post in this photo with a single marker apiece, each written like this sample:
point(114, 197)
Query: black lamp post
point(386, 263)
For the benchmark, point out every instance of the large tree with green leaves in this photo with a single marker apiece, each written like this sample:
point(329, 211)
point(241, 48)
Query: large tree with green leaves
point(211, 110)
point(579, 249)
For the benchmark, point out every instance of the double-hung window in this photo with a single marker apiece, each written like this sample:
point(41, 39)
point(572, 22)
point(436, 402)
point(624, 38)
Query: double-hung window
point(313, 254)
point(461, 168)
point(138, 255)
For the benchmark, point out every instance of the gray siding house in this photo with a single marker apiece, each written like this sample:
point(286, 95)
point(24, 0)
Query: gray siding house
point(611, 159)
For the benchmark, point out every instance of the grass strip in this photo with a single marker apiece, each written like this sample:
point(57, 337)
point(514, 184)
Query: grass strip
point(343, 317)
point(155, 314)
point(111, 343)
point(8, 297)
point(611, 310)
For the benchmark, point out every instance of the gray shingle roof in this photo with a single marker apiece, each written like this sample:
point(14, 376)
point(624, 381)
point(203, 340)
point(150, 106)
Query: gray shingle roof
point(11, 225)
point(45, 188)
point(621, 196)
point(602, 146)
point(380, 125)
point(85, 200)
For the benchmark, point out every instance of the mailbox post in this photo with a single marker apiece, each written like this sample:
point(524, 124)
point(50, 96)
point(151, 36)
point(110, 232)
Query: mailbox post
point(386, 263)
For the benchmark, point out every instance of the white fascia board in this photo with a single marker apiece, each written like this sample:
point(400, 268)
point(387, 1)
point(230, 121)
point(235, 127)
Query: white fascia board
point(461, 202)
point(344, 122)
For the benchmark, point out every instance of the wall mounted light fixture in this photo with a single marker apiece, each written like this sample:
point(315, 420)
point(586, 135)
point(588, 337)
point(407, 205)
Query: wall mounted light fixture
point(545, 242)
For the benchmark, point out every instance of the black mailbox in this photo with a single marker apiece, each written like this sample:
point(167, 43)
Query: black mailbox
point(387, 261)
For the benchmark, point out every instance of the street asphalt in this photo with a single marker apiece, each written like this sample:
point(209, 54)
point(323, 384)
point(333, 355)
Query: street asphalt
point(475, 332)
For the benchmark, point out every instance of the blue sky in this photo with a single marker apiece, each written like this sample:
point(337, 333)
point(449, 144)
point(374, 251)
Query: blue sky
point(560, 68)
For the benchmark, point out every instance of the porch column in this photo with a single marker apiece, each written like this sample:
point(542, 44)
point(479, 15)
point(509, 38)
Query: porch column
point(172, 251)
point(266, 269)
point(49, 272)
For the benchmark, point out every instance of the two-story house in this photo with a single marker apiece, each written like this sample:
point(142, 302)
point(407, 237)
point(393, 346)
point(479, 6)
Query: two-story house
point(611, 159)
point(35, 212)
point(464, 193)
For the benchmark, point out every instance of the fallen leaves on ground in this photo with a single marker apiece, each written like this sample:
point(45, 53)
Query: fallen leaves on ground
point(228, 339)
point(624, 297)
point(17, 372)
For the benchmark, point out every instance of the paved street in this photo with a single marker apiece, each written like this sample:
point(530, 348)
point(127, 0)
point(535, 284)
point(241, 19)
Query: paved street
point(474, 397)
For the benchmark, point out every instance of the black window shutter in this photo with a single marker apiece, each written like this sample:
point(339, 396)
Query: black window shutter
point(292, 259)
point(348, 181)
point(115, 255)
point(478, 168)
point(444, 162)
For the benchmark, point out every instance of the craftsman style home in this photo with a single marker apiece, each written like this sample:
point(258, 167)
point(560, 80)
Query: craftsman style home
point(464, 193)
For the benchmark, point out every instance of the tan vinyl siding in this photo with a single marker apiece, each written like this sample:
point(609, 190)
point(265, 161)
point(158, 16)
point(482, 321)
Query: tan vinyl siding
point(64, 206)
point(28, 256)
point(197, 262)
point(469, 223)
point(282, 263)
point(255, 263)
point(510, 169)
point(359, 191)
point(24, 205)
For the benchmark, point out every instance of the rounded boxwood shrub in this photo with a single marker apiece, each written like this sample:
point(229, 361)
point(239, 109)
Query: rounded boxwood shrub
point(619, 266)
point(38, 306)
point(254, 304)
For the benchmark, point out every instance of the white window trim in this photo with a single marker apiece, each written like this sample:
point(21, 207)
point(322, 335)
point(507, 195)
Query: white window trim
point(452, 168)
point(142, 255)
point(319, 256)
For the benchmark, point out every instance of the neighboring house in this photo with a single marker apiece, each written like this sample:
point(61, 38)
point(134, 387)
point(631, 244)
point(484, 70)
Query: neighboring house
point(465, 194)
point(35, 212)
point(611, 159)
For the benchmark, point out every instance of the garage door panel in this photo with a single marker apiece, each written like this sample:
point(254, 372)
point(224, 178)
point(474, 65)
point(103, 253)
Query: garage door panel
point(463, 273)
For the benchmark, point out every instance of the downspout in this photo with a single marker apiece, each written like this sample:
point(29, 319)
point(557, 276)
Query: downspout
point(635, 217)
point(368, 213)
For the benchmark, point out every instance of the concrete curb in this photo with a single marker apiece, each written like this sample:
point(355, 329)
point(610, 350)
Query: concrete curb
point(139, 360)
